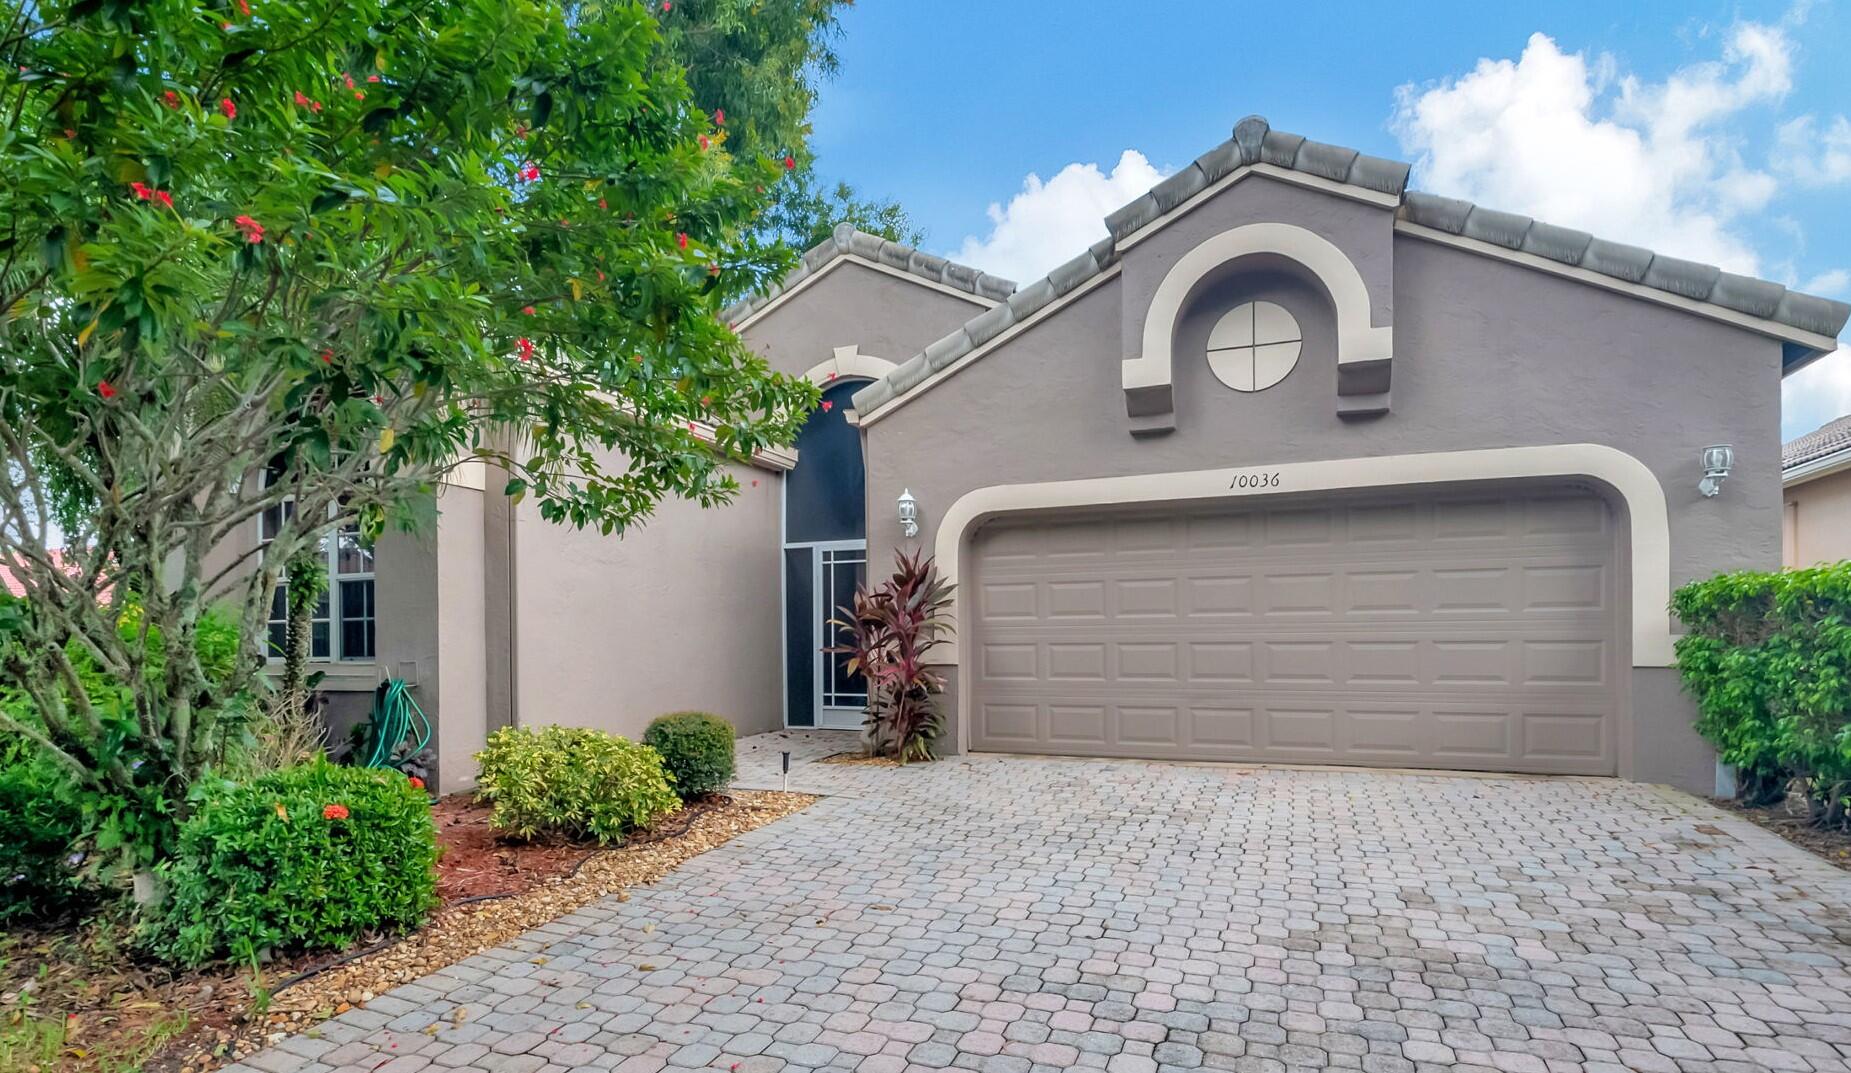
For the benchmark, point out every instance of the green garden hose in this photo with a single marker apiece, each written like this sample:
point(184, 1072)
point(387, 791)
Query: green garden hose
point(396, 718)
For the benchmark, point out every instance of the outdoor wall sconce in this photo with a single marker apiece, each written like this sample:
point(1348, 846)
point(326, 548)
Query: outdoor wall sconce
point(1717, 461)
point(909, 514)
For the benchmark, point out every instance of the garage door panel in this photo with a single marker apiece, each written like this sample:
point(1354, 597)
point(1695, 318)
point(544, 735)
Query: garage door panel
point(1476, 632)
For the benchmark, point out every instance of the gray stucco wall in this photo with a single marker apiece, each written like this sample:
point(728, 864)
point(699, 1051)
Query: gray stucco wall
point(1487, 354)
point(886, 316)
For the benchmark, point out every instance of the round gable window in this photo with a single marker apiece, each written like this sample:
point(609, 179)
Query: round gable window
point(1254, 346)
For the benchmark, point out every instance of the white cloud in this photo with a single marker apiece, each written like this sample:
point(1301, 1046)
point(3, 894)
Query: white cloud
point(1815, 157)
point(1050, 222)
point(1833, 284)
point(1816, 394)
point(1566, 138)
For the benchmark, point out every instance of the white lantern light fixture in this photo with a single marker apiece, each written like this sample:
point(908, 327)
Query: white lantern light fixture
point(1718, 460)
point(909, 514)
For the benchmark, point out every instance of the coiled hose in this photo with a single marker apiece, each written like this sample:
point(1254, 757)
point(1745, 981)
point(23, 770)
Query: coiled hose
point(396, 718)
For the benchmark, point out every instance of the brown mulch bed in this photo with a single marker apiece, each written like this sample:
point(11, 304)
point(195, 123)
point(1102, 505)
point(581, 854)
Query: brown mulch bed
point(859, 759)
point(112, 1006)
point(1831, 845)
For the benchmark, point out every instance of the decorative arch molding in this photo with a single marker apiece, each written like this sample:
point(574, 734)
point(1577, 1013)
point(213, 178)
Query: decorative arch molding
point(849, 363)
point(1648, 523)
point(1364, 349)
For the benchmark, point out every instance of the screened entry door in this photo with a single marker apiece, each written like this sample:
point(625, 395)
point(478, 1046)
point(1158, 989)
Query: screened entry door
point(838, 566)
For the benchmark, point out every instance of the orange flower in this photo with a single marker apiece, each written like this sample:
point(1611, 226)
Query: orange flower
point(417, 783)
point(334, 812)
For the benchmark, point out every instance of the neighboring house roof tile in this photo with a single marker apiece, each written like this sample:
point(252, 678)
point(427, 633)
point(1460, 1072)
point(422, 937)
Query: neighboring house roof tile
point(847, 240)
point(1255, 142)
point(1829, 439)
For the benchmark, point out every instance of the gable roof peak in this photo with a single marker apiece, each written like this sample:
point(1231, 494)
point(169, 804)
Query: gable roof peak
point(847, 240)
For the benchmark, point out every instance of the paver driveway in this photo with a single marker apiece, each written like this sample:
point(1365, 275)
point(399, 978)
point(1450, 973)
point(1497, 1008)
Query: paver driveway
point(1019, 914)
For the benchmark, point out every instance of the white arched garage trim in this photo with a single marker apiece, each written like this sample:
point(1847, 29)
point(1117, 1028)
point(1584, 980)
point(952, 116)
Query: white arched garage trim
point(1648, 525)
point(849, 363)
point(1360, 342)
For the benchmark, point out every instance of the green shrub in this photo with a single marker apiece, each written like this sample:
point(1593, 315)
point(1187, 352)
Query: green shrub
point(309, 857)
point(697, 750)
point(572, 783)
point(1768, 657)
point(39, 827)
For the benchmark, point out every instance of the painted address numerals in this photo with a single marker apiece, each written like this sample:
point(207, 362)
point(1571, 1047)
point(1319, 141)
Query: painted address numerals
point(1262, 479)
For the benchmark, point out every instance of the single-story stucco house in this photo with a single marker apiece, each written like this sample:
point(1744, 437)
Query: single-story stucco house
point(1815, 475)
point(1296, 465)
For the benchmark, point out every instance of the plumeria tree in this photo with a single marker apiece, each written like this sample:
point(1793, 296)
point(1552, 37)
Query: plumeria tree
point(301, 258)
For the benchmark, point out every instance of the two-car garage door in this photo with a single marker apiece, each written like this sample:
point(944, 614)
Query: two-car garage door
point(1473, 632)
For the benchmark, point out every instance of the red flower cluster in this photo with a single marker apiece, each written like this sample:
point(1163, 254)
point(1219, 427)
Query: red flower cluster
point(253, 231)
point(245, 6)
point(719, 116)
point(703, 142)
point(524, 348)
point(527, 310)
point(530, 172)
point(681, 239)
point(327, 357)
point(149, 193)
point(335, 812)
point(105, 389)
point(230, 109)
point(170, 99)
point(790, 163)
point(304, 100)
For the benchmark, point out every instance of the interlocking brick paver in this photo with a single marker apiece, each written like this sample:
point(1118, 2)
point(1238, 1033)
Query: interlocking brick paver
point(1014, 915)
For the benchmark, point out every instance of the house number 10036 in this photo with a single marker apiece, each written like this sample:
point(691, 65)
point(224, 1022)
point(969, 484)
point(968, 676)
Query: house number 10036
point(1268, 479)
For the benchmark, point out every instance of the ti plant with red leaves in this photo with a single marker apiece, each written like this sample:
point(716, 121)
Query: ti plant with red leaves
point(891, 630)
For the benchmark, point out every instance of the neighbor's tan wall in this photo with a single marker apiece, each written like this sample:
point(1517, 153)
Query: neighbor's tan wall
point(1817, 521)
point(681, 612)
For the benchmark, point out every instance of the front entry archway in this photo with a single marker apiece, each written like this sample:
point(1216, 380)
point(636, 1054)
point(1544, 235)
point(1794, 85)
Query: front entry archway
point(825, 557)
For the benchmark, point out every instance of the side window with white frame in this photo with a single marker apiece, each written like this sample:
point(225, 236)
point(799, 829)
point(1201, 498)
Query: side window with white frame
point(343, 626)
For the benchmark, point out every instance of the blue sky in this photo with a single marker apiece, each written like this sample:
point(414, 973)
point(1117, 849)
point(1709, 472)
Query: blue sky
point(1708, 130)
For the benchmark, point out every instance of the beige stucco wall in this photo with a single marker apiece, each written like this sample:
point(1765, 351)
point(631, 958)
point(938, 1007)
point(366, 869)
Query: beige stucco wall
point(679, 613)
point(1487, 354)
point(1817, 522)
point(462, 664)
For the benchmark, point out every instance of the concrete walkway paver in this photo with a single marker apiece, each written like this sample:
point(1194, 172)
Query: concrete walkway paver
point(1023, 915)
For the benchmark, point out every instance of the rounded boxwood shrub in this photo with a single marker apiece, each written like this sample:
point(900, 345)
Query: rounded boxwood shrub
point(697, 749)
point(39, 826)
point(570, 782)
point(309, 857)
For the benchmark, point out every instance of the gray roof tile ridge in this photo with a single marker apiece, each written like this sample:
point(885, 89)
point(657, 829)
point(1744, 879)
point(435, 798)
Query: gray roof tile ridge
point(1255, 142)
point(846, 239)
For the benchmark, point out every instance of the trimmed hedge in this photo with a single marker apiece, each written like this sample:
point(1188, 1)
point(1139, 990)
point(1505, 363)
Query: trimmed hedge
point(696, 748)
point(1768, 657)
point(39, 827)
point(571, 782)
point(309, 857)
